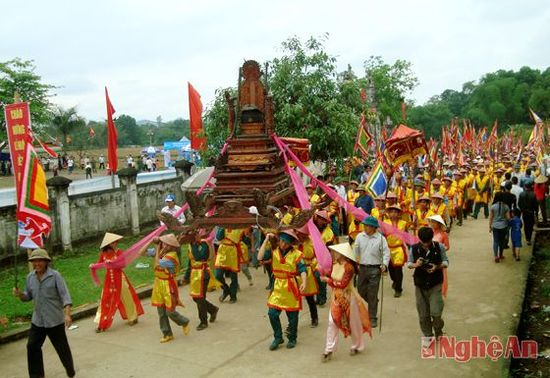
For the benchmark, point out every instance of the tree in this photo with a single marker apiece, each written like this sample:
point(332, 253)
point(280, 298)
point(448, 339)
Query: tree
point(172, 130)
point(307, 99)
point(429, 118)
point(392, 82)
point(18, 76)
point(216, 124)
point(503, 95)
point(129, 133)
point(64, 121)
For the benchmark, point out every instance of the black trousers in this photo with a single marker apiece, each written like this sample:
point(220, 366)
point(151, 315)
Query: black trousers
point(312, 307)
point(204, 308)
point(528, 224)
point(396, 275)
point(368, 282)
point(230, 289)
point(542, 209)
point(58, 337)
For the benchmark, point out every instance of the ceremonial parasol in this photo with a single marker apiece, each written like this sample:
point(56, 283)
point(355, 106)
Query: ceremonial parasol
point(405, 144)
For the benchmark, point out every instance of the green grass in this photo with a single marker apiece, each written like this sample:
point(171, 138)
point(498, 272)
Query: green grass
point(73, 267)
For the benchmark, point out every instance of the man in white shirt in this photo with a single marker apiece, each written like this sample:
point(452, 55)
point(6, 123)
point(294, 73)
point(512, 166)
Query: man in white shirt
point(70, 165)
point(149, 164)
point(374, 256)
point(171, 208)
point(341, 190)
point(516, 189)
point(101, 161)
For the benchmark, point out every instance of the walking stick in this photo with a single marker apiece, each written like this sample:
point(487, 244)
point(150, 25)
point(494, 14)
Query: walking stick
point(381, 301)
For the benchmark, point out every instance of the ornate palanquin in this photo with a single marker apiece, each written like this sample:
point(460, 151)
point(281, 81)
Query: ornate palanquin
point(251, 172)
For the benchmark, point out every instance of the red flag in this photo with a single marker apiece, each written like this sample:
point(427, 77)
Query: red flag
point(32, 212)
point(111, 136)
point(363, 139)
point(18, 121)
point(198, 142)
point(46, 149)
point(493, 137)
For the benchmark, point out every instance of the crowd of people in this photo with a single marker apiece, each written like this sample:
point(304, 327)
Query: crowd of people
point(89, 165)
point(422, 201)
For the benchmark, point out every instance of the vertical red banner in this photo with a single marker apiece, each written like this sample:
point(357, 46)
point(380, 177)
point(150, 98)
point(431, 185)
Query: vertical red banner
point(198, 142)
point(18, 123)
point(112, 136)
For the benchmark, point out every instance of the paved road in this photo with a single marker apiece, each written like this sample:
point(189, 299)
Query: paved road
point(484, 300)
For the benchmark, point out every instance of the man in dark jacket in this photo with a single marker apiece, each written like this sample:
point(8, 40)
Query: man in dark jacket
point(364, 201)
point(428, 259)
point(528, 205)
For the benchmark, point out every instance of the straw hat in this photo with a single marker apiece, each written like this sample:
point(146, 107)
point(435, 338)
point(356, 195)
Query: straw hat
point(170, 239)
point(392, 195)
point(109, 238)
point(39, 254)
point(354, 182)
point(393, 207)
point(437, 195)
point(436, 182)
point(344, 249)
point(381, 197)
point(303, 230)
point(447, 178)
point(437, 218)
point(425, 198)
point(361, 188)
point(288, 236)
point(541, 179)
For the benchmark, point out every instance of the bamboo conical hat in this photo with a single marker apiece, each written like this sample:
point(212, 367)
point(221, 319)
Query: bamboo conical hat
point(109, 238)
point(344, 249)
point(438, 218)
point(170, 239)
point(541, 179)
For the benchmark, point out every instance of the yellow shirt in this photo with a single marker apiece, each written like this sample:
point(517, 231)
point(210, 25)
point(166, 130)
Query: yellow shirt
point(312, 288)
point(230, 250)
point(286, 293)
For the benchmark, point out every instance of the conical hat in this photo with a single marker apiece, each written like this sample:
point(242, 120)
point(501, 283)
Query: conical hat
point(541, 179)
point(170, 239)
point(323, 214)
point(109, 238)
point(303, 230)
point(344, 249)
point(437, 218)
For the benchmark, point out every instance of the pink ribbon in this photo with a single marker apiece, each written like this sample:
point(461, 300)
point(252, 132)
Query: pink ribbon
point(321, 251)
point(385, 228)
point(133, 252)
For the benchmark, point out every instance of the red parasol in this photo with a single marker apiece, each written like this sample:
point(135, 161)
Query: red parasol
point(405, 144)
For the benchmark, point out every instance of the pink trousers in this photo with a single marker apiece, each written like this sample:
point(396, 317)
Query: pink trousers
point(357, 341)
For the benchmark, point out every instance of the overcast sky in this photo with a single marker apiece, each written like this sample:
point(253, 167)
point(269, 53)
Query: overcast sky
point(146, 51)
